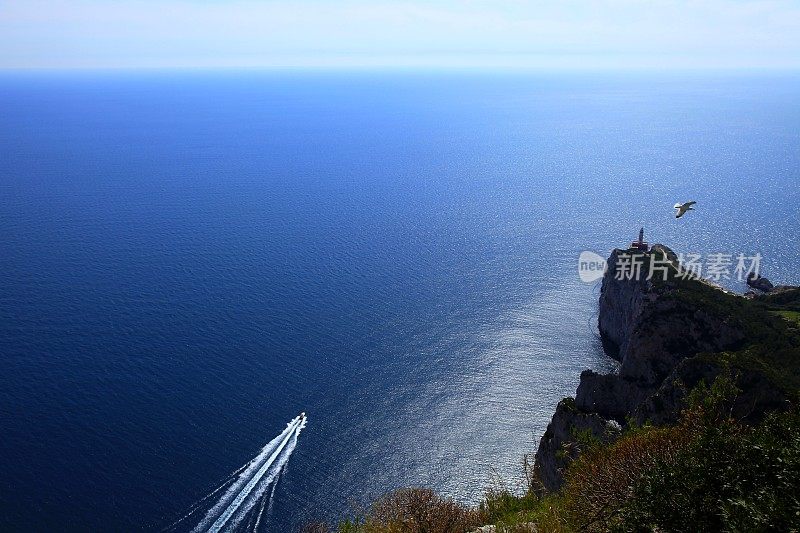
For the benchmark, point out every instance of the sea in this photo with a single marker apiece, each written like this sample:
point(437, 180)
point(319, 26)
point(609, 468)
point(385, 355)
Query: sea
point(190, 259)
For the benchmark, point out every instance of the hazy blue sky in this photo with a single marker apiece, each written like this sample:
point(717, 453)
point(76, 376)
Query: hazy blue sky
point(244, 33)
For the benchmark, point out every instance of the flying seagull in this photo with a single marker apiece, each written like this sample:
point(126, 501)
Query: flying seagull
point(683, 208)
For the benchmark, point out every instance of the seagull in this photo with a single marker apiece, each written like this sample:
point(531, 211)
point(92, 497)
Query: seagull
point(683, 208)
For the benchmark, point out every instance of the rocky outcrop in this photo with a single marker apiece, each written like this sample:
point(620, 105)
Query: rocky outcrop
point(759, 282)
point(559, 443)
point(621, 305)
point(609, 395)
point(758, 395)
point(656, 330)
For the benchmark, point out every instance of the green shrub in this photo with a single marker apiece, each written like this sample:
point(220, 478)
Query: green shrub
point(729, 477)
point(602, 479)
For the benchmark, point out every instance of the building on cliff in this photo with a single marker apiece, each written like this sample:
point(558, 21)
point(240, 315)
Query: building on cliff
point(640, 245)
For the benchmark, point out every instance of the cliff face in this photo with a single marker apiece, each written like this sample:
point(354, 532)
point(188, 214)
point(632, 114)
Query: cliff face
point(664, 334)
point(557, 447)
point(621, 304)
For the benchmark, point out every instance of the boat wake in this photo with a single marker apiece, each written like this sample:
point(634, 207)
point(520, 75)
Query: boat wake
point(248, 490)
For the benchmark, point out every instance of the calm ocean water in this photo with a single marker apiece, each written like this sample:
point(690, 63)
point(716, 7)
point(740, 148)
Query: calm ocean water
point(188, 260)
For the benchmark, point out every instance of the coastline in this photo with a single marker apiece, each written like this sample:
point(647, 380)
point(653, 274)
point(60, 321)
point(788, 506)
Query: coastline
point(700, 369)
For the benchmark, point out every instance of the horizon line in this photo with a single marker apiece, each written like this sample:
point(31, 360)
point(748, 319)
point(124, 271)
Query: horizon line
point(404, 68)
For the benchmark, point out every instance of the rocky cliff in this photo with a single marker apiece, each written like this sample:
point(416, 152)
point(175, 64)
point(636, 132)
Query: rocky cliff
point(668, 334)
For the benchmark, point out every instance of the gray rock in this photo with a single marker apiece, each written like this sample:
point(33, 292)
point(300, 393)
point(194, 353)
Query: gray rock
point(621, 303)
point(759, 283)
point(669, 330)
point(653, 332)
point(609, 395)
point(559, 444)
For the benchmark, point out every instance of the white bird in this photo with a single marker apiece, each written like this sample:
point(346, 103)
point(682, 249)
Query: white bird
point(683, 208)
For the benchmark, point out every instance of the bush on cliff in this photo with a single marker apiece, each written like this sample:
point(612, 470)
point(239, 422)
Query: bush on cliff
point(729, 477)
point(414, 510)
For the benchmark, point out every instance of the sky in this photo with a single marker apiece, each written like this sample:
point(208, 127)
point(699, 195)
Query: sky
point(659, 34)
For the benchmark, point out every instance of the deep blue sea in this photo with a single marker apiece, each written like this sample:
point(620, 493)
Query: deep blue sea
point(190, 259)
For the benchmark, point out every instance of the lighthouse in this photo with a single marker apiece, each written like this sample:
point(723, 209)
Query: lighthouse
point(640, 245)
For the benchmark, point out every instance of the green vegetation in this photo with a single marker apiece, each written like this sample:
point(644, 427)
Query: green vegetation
point(769, 323)
point(785, 304)
point(791, 316)
point(729, 477)
point(708, 472)
point(787, 299)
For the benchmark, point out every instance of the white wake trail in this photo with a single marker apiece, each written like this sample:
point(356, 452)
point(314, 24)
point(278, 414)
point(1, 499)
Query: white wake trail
point(196, 505)
point(274, 478)
point(261, 509)
point(252, 471)
point(265, 499)
point(236, 511)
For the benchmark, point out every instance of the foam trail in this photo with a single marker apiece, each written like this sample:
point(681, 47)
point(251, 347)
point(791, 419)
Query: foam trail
point(251, 469)
point(196, 505)
point(269, 507)
point(262, 486)
point(263, 505)
point(250, 522)
point(277, 476)
point(257, 479)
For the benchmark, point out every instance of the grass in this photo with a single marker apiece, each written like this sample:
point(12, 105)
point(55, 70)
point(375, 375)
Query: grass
point(791, 316)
